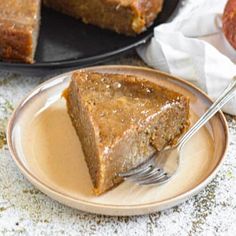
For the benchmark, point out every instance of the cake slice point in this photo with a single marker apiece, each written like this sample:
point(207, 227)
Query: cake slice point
point(121, 120)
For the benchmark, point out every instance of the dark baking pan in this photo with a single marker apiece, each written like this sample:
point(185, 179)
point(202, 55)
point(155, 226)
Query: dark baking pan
point(66, 43)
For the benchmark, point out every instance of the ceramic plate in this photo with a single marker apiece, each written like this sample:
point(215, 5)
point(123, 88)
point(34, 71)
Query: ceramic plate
point(65, 42)
point(46, 149)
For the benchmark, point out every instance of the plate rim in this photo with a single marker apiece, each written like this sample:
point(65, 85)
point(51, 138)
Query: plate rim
point(53, 192)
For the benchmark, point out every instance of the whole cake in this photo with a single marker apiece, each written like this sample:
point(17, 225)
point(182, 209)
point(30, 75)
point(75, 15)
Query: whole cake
point(19, 20)
point(121, 121)
point(123, 16)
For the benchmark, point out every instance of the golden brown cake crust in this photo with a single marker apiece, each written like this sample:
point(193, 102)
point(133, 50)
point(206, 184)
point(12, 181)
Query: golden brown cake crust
point(121, 120)
point(129, 17)
point(19, 21)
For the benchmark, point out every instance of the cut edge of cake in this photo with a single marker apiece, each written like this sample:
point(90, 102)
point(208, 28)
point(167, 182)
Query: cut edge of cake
point(19, 37)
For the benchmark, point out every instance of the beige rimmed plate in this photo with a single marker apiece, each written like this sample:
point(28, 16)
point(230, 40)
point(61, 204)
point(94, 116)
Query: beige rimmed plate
point(46, 149)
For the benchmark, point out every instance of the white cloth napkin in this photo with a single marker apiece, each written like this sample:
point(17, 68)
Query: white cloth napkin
point(193, 47)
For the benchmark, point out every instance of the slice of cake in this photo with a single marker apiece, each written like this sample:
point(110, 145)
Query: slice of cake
point(19, 26)
point(121, 120)
point(123, 16)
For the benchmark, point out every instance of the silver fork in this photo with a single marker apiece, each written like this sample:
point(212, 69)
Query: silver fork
point(160, 167)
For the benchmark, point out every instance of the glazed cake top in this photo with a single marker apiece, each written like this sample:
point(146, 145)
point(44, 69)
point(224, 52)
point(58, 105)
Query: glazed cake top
point(118, 102)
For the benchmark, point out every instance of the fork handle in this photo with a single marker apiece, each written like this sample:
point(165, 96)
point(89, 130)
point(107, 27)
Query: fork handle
point(227, 95)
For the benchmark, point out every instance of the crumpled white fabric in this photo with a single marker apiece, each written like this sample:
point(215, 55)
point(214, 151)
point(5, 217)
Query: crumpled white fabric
point(192, 46)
